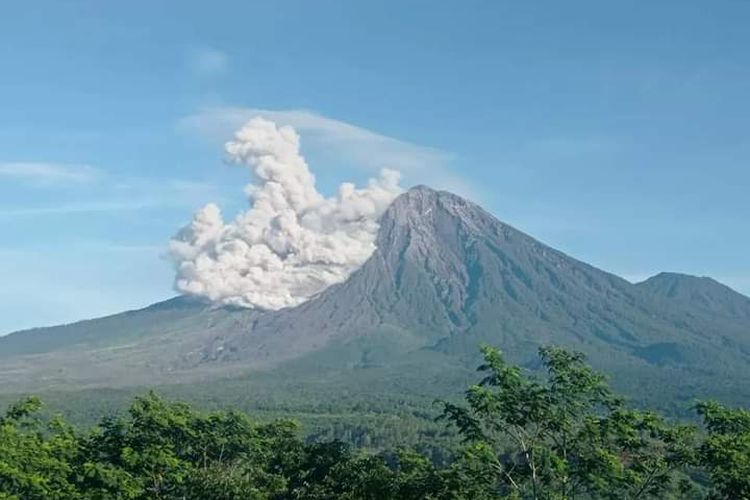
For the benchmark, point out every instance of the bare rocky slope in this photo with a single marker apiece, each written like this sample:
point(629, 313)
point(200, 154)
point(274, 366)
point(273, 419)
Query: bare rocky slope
point(446, 276)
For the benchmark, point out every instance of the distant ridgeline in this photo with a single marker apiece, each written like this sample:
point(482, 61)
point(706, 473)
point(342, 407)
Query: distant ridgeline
point(403, 329)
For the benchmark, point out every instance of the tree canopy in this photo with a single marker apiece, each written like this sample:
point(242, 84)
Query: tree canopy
point(561, 434)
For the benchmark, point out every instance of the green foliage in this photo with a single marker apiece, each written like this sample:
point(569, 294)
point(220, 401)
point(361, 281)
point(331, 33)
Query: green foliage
point(726, 451)
point(562, 436)
point(35, 458)
point(566, 436)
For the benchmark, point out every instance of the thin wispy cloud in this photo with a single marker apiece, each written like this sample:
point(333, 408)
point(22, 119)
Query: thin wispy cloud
point(123, 195)
point(45, 173)
point(78, 208)
point(207, 61)
point(120, 248)
point(95, 246)
point(361, 147)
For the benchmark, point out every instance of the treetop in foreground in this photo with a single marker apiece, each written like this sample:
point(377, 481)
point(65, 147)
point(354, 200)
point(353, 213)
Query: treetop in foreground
point(561, 435)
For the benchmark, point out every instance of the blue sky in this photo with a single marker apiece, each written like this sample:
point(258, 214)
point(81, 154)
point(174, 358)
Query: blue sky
point(614, 131)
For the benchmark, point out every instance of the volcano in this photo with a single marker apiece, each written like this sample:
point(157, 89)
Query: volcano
point(445, 277)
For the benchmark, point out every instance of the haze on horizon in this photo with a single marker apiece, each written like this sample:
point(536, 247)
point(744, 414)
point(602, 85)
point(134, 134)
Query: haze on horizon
point(617, 134)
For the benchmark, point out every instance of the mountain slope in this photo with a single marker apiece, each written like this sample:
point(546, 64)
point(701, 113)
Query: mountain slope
point(452, 274)
point(446, 276)
point(90, 333)
point(698, 293)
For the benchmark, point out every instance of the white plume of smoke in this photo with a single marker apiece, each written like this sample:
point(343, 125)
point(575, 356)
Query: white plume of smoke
point(292, 242)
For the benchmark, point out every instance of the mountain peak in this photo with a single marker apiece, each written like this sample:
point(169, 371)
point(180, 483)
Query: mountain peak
point(417, 197)
point(681, 281)
point(423, 207)
point(421, 188)
point(669, 275)
point(698, 292)
point(445, 276)
point(426, 194)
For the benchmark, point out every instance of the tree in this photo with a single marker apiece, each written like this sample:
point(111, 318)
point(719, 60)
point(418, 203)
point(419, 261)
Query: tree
point(562, 435)
point(565, 436)
point(726, 451)
point(35, 456)
point(168, 450)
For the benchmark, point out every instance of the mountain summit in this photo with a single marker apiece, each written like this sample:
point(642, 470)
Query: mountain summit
point(702, 293)
point(446, 276)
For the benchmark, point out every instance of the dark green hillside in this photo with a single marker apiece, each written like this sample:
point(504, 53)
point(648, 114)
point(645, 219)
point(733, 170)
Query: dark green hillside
point(560, 434)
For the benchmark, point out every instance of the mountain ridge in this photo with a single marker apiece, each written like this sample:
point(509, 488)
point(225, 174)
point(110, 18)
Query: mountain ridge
point(698, 291)
point(445, 276)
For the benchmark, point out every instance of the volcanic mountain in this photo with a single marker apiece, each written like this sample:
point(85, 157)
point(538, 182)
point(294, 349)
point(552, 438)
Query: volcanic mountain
point(446, 276)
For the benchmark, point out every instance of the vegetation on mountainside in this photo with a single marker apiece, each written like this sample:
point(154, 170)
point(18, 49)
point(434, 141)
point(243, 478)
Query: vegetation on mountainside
point(445, 276)
point(563, 436)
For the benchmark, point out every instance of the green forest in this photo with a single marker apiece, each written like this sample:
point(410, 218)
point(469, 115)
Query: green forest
point(561, 435)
